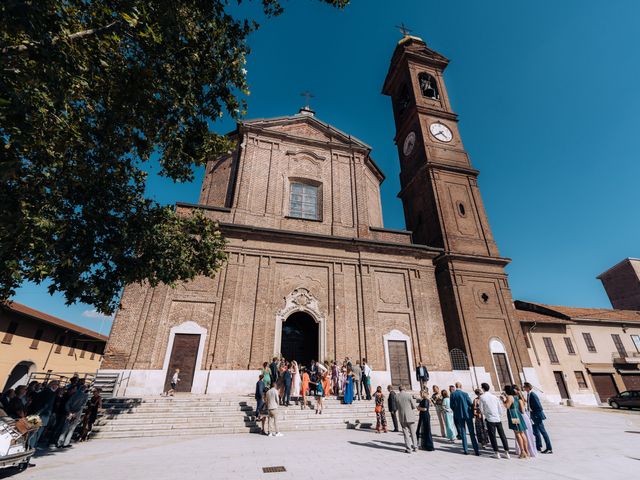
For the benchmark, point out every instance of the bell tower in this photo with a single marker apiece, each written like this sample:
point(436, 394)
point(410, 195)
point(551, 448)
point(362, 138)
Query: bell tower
point(443, 208)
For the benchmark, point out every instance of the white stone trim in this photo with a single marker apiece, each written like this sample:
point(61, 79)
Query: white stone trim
point(496, 345)
point(398, 335)
point(188, 327)
point(301, 300)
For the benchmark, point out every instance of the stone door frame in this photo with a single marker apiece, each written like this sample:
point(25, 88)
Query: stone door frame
point(188, 327)
point(301, 300)
point(496, 345)
point(398, 335)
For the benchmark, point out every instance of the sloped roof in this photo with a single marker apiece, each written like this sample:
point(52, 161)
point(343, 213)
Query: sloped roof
point(21, 309)
point(539, 317)
point(309, 119)
point(575, 314)
point(306, 116)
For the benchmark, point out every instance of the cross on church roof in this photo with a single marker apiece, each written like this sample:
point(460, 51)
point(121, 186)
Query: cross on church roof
point(308, 96)
point(403, 29)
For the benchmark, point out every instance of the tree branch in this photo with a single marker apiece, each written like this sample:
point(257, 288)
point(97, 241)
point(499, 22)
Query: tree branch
point(74, 36)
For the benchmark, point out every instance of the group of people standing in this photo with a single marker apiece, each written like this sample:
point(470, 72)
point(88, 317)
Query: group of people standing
point(60, 409)
point(481, 418)
point(458, 415)
point(320, 380)
point(282, 380)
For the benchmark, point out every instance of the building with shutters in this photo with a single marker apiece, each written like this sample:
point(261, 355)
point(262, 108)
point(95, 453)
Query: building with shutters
point(583, 354)
point(33, 342)
point(314, 274)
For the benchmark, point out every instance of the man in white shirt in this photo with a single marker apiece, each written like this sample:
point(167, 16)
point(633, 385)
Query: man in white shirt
point(366, 378)
point(491, 408)
point(273, 400)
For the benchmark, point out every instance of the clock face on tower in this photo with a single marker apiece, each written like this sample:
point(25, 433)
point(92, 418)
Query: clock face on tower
point(441, 132)
point(409, 143)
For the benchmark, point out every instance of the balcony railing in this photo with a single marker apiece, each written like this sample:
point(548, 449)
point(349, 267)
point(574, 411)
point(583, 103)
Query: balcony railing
point(62, 377)
point(628, 357)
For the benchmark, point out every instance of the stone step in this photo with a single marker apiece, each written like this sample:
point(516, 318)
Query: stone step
point(235, 420)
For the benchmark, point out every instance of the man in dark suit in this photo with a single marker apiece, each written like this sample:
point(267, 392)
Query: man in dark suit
point(259, 396)
point(422, 375)
point(287, 387)
point(462, 407)
point(536, 412)
point(274, 370)
point(393, 407)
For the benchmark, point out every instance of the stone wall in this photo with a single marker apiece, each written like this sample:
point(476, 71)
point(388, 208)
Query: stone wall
point(362, 294)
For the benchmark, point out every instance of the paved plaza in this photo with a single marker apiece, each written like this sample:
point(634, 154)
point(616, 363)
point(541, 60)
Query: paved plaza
point(588, 443)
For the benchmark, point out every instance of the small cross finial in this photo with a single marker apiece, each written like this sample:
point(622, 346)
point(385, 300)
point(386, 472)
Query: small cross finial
point(308, 96)
point(403, 29)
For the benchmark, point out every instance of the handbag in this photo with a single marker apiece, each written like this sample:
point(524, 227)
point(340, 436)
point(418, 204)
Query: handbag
point(514, 419)
point(378, 409)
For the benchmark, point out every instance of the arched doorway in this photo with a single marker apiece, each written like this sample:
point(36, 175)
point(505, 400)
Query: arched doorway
point(500, 363)
point(19, 375)
point(300, 338)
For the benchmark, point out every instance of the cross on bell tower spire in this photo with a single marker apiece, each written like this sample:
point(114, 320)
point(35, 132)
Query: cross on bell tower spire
point(403, 29)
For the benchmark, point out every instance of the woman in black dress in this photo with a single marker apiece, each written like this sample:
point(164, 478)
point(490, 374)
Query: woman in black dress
point(426, 441)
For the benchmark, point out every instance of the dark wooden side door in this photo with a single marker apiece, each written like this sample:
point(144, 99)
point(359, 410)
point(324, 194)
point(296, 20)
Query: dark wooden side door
point(183, 356)
point(605, 386)
point(502, 369)
point(562, 387)
point(631, 381)
point(399, 363)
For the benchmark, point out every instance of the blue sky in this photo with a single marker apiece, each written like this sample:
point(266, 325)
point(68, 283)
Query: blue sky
point(548, 95)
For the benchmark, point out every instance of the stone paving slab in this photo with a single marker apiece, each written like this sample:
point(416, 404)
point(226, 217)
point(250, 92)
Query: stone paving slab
point(587, 445)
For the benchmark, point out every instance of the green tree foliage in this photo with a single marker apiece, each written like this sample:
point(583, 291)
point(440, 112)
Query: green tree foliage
point(89, 90)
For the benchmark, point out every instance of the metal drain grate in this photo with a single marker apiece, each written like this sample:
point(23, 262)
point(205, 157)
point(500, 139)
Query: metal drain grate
point(277, 469)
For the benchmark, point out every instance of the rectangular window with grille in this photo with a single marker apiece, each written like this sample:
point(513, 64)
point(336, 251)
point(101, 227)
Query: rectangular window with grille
point(83, 349)
point(60, 344)
point(569, 344)
point(72, 350)
point(551, 350)
point(36, 338)
point(11, 330)
point(304, 201)
point(636, 341)
point(93, 351)
point(617, 341)
point(582, 382)
point(589, 342)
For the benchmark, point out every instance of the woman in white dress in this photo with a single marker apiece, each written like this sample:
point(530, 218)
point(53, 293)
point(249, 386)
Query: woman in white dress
point(297, 382)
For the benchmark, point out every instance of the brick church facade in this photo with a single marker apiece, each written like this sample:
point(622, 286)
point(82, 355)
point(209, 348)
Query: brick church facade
point(313, 274)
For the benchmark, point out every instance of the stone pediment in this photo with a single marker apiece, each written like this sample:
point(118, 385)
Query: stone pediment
point(304, 126)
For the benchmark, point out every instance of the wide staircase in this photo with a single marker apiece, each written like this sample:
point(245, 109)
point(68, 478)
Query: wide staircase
point(208, 415)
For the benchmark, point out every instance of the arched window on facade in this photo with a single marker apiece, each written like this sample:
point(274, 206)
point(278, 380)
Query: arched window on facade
point(428, 86)
point(305, 200)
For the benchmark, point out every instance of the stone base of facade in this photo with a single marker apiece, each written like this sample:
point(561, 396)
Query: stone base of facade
point(136, 383)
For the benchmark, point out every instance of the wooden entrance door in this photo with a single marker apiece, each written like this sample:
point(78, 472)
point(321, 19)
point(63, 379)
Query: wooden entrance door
point(631, 381)
point(562, 387)
point(502, 369)
point(183, 356)
point(605, 386)
point(399, 363)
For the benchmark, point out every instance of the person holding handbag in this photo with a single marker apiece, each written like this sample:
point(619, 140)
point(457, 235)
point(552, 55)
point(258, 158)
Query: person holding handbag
point(381, 418)
point(515, 407)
